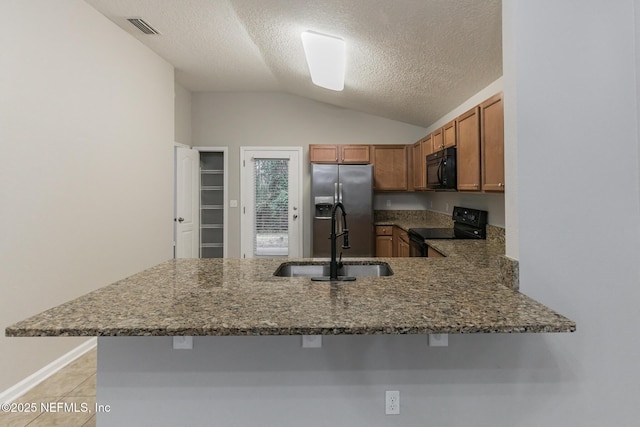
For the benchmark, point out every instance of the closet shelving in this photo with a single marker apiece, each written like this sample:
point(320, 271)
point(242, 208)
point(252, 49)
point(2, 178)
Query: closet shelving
point(211, 204)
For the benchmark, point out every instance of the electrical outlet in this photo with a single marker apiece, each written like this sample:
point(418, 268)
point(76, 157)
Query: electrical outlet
point(438, 340)
point(446, 207)
point(312, 341)
point(388, 203)
point(392, 402)
point(183, 343)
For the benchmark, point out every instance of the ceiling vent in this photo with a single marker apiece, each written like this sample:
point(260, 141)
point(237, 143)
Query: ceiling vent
point(143, 26)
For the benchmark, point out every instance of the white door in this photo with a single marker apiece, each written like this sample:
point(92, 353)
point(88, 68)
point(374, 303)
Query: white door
point(271, 195)
point(187, 203)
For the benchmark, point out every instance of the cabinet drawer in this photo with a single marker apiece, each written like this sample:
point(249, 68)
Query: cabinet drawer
point(384, 230)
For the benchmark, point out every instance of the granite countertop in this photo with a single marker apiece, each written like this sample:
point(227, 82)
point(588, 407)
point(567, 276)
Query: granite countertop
point(406, 224)
point(478, 251)
point(458, 294)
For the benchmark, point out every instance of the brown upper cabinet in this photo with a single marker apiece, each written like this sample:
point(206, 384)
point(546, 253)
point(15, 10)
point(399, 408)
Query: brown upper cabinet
point(390, 167)
point(437, 140)
point(355, 153)
point(324, 153)
point(333, 153)
point(449, 134)
point(444, 137)
point(427, 145)
point(492, 143)
point(419, 166)
point(468, 151)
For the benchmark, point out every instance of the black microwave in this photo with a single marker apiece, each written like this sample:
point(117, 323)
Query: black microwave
point(441, 170)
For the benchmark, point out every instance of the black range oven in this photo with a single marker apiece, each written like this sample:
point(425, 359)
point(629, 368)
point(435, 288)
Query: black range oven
point(467, 224)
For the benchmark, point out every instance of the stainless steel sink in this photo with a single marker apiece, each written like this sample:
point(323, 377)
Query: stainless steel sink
point(293, 269)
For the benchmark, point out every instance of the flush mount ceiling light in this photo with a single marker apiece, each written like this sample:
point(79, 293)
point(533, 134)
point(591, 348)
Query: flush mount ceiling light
point(326, 58)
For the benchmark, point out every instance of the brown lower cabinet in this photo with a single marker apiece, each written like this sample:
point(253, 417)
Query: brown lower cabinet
point(401, 240)
point(384, 241)
point(391, 241)
point(434, 253)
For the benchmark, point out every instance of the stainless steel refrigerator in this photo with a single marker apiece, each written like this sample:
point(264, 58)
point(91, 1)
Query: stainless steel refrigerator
point(353, 186)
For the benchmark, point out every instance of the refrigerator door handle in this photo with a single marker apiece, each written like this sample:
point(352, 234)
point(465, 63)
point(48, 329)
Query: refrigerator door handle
point(335, 192)
point(340, 192)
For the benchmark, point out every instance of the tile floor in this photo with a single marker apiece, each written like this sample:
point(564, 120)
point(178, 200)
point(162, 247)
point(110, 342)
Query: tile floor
point(75, 383)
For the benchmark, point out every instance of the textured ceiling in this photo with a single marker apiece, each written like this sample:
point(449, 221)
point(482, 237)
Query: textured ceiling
point(407, 60)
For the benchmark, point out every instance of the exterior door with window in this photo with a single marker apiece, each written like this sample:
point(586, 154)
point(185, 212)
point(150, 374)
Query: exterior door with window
point(271, 191)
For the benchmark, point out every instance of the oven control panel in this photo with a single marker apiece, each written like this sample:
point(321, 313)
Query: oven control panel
point(474, 217)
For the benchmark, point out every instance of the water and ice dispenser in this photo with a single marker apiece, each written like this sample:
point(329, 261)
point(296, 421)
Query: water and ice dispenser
point(323, 206)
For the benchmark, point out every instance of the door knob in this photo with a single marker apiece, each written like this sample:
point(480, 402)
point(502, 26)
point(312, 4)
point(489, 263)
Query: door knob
point(180, 219)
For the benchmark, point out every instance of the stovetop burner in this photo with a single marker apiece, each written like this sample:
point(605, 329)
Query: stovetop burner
point(467, 224)
point(434, 233)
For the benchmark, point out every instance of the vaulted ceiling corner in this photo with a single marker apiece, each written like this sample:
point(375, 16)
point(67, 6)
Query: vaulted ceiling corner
point(407, 60)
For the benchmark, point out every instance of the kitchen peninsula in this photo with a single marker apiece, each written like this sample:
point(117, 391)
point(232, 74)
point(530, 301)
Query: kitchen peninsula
point(461, 293)
point(244, 322)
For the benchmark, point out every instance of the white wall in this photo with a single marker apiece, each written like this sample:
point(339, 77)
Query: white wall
point(182, 115)
point(86, 178)
point(576, 112)
point(577, 138)
point(637, 20)
point(482, 380)
point(510, 89)
point(276, 119)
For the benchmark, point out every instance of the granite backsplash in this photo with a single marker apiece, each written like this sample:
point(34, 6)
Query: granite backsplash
point(428, 217)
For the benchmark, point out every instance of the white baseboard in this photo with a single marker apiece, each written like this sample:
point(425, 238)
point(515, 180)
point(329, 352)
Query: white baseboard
point(17, 390)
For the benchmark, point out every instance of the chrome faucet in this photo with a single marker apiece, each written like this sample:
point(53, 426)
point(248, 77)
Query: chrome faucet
point(334, 264)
